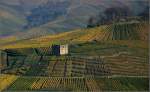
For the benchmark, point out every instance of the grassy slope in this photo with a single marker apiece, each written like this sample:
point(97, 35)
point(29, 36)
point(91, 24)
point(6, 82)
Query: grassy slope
point(7, 39)
point(6, 80)
point(132, 34)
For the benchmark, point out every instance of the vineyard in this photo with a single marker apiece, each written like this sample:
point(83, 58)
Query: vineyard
point(126, 31)
point(68, 66)
point(128, 65)
point(78, 84)
point(107, 58)
point(126, 70)
point(57, 67)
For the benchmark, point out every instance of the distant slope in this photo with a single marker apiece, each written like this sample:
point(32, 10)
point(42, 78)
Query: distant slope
point(55, 27)
point(124, 31)
point(107, 33)
point(75, 18)
point(75, 15)
point(10, 21)
point(68, 17)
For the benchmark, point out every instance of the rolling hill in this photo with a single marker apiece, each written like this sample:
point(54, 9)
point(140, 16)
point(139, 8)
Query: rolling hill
point(10, 21)
point(74, 16)
point(107, 33)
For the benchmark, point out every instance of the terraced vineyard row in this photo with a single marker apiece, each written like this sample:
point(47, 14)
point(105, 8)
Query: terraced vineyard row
point(126, 31)
point(45, 66)
point(123, 84)
point(89, 67)
point(78, 67)
point(67, 84)
point(127, 65)
point(79, 84)
point(131, 31)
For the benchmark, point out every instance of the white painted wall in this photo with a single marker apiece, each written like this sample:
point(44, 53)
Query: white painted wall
point(64, 49)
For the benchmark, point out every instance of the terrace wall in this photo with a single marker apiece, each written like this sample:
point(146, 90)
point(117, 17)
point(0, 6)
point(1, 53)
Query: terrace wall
point(3, 60)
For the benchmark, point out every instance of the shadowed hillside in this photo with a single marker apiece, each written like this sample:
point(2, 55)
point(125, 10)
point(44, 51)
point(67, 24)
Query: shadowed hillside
point(10, 21)
point(46, 17)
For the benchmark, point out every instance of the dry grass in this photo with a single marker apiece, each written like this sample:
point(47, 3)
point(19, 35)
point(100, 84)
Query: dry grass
point(6, 80)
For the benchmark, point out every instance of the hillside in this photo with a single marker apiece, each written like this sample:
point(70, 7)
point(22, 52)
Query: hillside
point(42, 19)
point(106, 58)
point(108, 33)
point(10, 21)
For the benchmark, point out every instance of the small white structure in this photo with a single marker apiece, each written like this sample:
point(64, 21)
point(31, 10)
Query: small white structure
point(63, 49)
point(60, 50)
